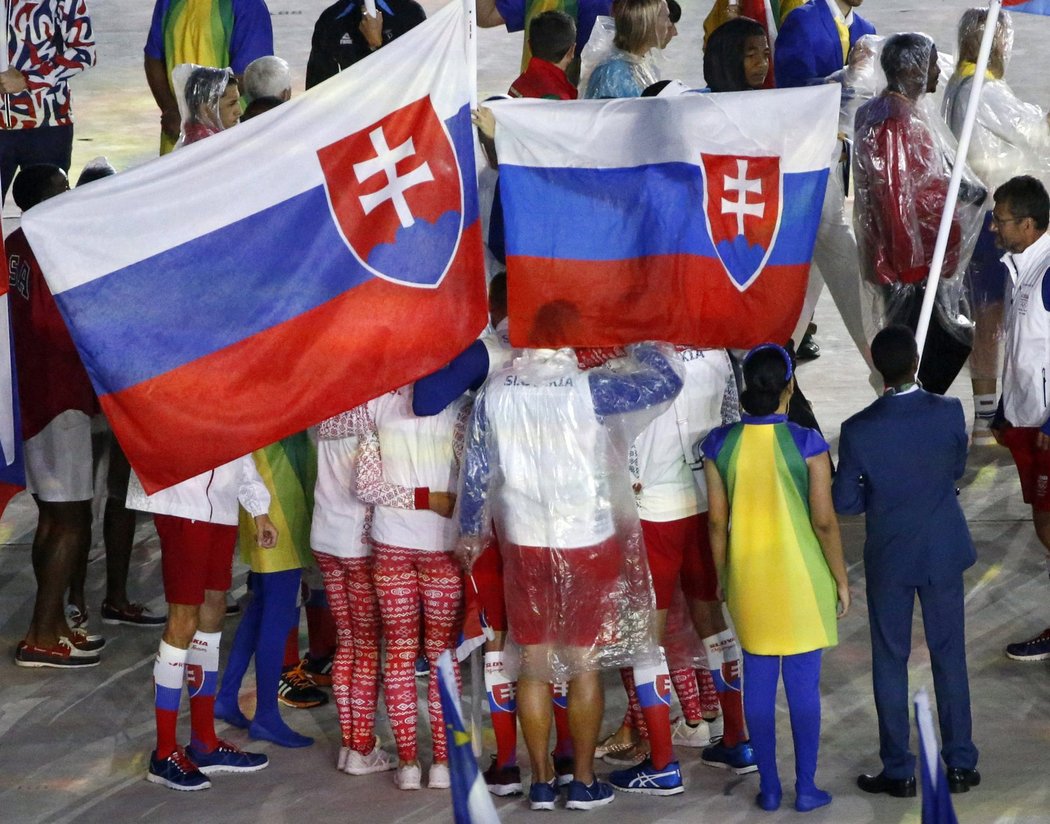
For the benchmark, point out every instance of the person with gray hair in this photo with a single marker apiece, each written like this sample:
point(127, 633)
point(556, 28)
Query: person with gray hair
point(268, 76)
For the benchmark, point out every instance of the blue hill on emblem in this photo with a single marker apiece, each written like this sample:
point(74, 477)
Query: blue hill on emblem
point(741, 259)
point(420, 253)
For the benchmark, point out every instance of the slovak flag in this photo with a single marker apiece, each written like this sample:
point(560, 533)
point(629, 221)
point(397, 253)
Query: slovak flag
point(12, 468)
point(689, 219)
point(282, 271)
point(1028, 6)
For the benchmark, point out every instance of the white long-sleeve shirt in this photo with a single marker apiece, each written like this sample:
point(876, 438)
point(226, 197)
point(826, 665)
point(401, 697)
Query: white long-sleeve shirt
point(212, 496)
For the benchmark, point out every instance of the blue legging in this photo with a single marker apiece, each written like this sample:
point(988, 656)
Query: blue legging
point(264, 627)
point(802, 685)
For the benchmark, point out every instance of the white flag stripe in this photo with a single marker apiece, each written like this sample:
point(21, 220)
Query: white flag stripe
point(929, 739)
point(553, 133)
point(226, 168)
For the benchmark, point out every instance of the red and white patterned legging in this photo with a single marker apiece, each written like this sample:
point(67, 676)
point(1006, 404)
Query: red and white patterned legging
point(355, 670)
point(409, 582)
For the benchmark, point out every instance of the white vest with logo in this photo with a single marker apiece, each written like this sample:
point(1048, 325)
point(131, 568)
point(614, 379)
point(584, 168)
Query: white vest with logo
point(551, 454)
point(665, 449)
point(1027, 323)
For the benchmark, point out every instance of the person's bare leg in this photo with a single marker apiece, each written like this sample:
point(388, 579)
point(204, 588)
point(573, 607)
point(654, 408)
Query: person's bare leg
point(183, 620)
point(118, 532)
point(66, 532)
point(535, 716)
point(708, 620)
point(586, 707)
point(118, 529)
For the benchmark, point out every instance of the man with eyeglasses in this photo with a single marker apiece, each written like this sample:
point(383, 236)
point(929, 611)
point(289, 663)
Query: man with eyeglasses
point(1019, 222)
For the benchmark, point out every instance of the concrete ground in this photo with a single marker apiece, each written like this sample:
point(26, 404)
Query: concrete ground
point(73, 746)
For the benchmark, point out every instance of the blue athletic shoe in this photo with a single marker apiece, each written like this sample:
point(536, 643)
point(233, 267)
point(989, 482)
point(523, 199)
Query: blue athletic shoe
point(740, 759)
point(645, 779)
point(542, 795)
point(226, 758)
point(176, 772)
point(587, 797)
point(1035, 649)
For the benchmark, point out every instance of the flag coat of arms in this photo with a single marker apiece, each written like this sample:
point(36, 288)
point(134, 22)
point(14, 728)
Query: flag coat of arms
point(282, 271)
point(690, 219)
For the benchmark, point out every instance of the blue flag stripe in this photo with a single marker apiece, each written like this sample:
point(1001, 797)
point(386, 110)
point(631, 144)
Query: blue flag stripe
point(229, 284)
point(627, 222)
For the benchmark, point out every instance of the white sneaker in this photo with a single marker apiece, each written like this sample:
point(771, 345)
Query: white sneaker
point(439, 778)
point(717, 727)
point(340, 763)
point(376, 761)
point(684, 735)
point(408, 778)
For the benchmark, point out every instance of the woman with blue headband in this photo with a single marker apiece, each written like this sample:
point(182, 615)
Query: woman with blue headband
point(778, 552)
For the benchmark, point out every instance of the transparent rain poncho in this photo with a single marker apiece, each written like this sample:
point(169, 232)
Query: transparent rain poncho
point(199, 90)
point(1010, 137)
point(608, 72)
point(902, 162)
point(546, 463)
point(861, 79)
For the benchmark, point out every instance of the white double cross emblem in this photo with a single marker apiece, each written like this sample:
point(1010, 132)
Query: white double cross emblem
point(742, 186)
point(385, 162)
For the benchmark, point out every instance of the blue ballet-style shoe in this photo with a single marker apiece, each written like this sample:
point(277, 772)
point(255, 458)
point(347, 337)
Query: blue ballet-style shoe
point(768, 801)
point(230, 712)
point(811, 800)
point(279, 733)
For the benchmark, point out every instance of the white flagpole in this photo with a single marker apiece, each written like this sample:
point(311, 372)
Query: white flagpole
point(370, 8)
point(937, 264)
point(4, 57)
point(472, 50)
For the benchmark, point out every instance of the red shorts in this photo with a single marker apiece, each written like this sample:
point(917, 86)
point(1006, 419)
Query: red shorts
point(487, 588)
point(194, 556)
point(1033, 465)
point(562, 596)
point(680, 550)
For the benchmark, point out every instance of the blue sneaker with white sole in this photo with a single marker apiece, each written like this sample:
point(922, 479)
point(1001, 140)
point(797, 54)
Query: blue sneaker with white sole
point(176, 772)
point(645, 779)
point(740, 759)
point(588, 796)
point(226, 758)
point(542, 795)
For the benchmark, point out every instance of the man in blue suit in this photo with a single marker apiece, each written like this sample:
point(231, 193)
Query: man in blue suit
point(815, 39)
point(899, 460)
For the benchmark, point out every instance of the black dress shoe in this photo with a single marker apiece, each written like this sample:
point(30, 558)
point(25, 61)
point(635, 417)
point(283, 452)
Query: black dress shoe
point(897, 787)
point(960, 780)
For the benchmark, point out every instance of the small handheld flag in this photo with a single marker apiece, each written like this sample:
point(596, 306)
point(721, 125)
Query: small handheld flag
point(471, 802)
point(936, 800)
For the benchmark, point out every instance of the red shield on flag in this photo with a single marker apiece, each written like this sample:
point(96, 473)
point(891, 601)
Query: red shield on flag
point(395, 192)
point(742, 207)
